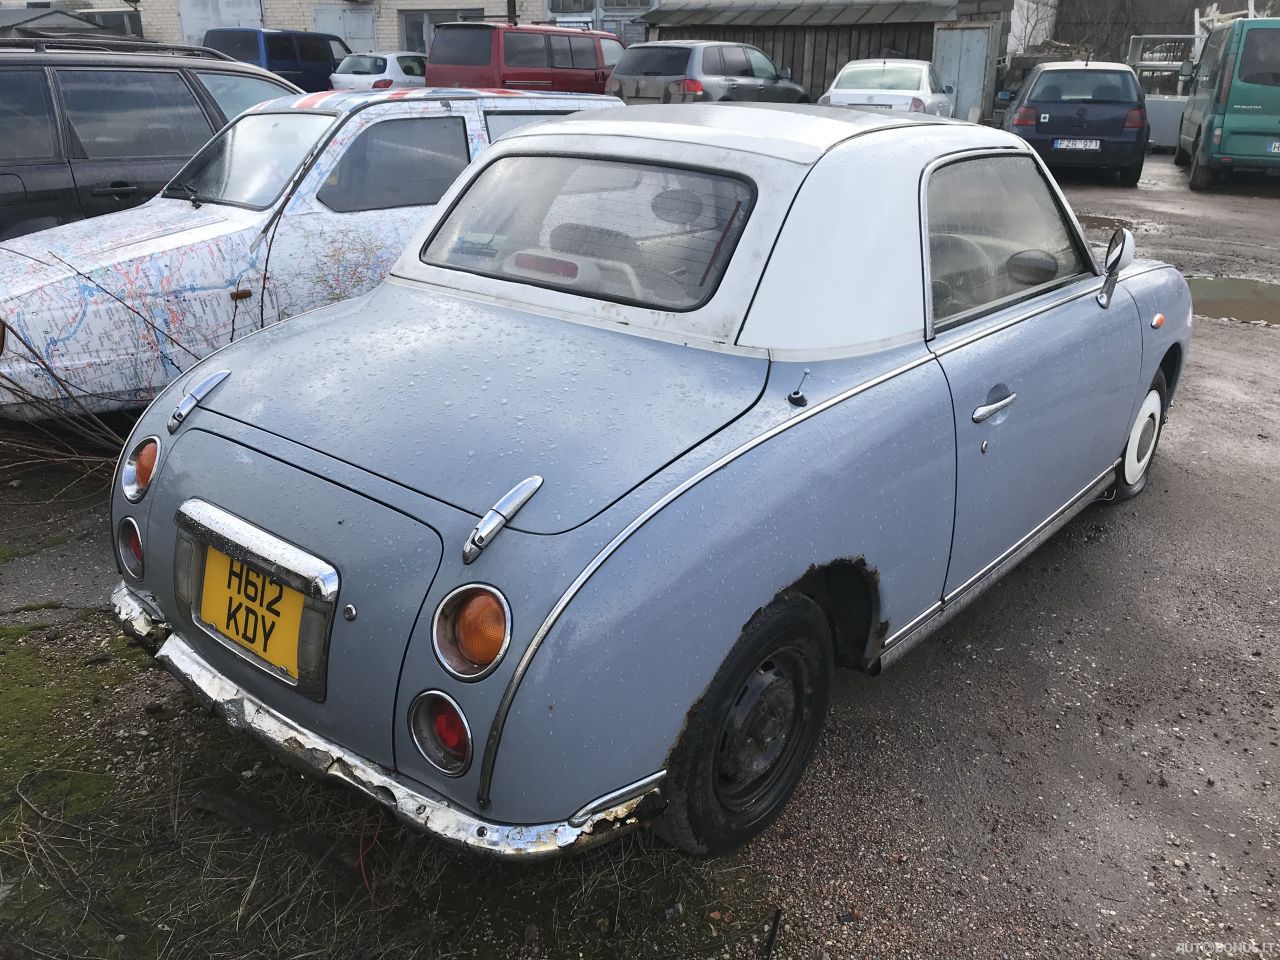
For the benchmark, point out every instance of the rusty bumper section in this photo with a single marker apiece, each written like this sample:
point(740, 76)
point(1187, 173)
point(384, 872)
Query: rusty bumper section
point(412, 803)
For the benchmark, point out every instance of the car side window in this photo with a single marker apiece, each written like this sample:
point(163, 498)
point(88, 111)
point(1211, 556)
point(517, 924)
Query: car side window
point(314, 50)
point(712, 62)
point(412, 66)
point(524, 49)
point(583, 50)
point(611, 50)
point(280, 47)
point(761, 66)
point(235, 93)
point(995, 232)
point(561, 52)
point(132, 113)
point(736, 63)
point(26, 116)
point(398, 163)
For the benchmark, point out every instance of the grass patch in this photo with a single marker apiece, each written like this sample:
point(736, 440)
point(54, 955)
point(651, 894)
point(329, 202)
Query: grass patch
point(35, 607)
point(127, 836)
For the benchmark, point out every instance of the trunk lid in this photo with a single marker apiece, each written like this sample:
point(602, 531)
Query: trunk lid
point(385, 564)
point(654, 74)
point(461, 400)
point(1094, 121)
point(872, 99)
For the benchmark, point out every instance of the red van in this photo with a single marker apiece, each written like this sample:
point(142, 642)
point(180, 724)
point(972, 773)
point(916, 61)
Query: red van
point(534, 57)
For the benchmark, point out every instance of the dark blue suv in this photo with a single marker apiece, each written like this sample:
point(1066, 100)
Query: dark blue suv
point(1079, 114)
point(300, 56)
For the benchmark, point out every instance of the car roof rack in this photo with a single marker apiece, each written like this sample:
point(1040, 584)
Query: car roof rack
point(47, 44)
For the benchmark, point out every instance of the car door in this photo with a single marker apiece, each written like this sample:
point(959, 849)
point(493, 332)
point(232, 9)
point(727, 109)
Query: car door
point(765, 75)
point(128, 133)
point(36, 187)
point(1203, 87)
point(1042, 377)
point(572, 74)
point(739, 77)
point(282, 60)
point(353, 213)
point(525, 62)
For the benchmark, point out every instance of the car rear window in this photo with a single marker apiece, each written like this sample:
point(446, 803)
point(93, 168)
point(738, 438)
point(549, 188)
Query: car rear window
point(617, 230)
point(462, 46)
point(362, 65)
point(653, 62)
point(1085, 86)
point(880, 76)
point(1260, 59)
point(240, 44)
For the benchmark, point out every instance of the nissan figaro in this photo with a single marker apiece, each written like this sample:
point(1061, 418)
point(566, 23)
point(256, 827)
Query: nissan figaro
point(665, 412)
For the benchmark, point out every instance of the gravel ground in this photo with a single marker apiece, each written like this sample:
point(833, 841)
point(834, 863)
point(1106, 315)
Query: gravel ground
point(1084, 763)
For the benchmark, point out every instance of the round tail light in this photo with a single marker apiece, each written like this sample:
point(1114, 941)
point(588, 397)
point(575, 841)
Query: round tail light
point(138, 469)
point(441, 733)
point(129, 547)
point(471, 631)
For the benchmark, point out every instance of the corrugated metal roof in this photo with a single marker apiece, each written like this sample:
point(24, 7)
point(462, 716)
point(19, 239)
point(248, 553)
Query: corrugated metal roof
point(747, 13)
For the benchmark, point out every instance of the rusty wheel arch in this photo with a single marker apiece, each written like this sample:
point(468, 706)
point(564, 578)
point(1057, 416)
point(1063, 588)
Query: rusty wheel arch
point(848, 591)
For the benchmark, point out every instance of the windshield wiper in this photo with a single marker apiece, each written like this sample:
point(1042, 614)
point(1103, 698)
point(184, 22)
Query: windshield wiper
point(187, 190)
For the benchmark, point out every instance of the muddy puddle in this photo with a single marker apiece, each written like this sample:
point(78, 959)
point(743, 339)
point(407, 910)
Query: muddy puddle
point(1110, 224)
point(1248, 300)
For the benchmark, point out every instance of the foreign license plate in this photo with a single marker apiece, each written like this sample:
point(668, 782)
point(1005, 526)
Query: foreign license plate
point(1063, 144)
point(252, 610)
point(1274, 148)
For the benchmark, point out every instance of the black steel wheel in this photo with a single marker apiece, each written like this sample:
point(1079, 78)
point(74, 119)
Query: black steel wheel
point(750, 738)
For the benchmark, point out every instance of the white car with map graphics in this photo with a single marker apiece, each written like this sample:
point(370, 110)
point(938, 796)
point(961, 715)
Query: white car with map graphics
point(300, 202)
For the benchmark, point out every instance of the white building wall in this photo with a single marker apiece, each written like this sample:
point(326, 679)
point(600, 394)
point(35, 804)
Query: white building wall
point(1032, 22)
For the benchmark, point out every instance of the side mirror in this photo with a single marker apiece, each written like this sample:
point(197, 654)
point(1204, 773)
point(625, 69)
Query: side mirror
point(1004, 95)
point(1119, 255)
point(784, 73)
point(948, 89)
point(1186, 71)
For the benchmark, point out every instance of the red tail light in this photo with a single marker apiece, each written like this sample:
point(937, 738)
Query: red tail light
point(917, 105)
point(1136, 119)
point(441, 732)
point(689, 85)
point(1025, 117)
point(1224, 87)
point(381, 84)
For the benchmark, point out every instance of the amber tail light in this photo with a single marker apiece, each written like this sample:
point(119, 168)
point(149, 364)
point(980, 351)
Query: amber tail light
point(471, 631)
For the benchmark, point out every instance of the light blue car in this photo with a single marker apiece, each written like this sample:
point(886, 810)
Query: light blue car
point(664, 413)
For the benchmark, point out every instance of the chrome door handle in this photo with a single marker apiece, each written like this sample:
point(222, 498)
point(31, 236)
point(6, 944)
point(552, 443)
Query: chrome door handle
point(991, 409)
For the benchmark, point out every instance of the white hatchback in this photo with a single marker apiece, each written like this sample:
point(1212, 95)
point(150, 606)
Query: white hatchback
point(380, 71)
point(911, 85)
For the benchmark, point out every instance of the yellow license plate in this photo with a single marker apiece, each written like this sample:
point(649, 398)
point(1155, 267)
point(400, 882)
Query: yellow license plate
point(251, 609)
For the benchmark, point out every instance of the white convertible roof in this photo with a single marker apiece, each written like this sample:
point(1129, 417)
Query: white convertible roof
point(800, 133)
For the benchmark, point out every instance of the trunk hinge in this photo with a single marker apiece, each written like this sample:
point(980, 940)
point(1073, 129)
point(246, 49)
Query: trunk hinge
point(193, 397)
point(498, 516)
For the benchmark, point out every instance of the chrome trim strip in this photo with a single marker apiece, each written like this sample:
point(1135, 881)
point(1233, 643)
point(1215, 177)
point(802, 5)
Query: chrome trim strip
point(951, 346)
point(509, 695)
point(616, 797)
point(413, 803)
point(906, 640)
point(413, 734)
point(951, 597)
point(903, 631)
point(238, 538)
point(483, 672)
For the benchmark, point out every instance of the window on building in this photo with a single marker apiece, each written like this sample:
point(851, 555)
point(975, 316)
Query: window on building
point(417, 27)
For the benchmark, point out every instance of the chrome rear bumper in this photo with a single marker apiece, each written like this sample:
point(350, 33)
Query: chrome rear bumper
point(411, 802)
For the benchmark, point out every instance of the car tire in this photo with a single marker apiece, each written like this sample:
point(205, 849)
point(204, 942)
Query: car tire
point(1140, 448)
point(749, 738)
point(1180, 157)
point(1201, 175)
point(1129, 176)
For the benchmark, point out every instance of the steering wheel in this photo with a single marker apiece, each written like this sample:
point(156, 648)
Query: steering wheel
point(965, 269)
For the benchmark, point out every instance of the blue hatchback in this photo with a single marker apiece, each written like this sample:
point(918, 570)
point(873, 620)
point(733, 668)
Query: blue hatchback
point(1079, 114)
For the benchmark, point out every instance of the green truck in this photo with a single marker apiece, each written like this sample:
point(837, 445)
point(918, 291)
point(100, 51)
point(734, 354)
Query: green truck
point(1232, 117)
